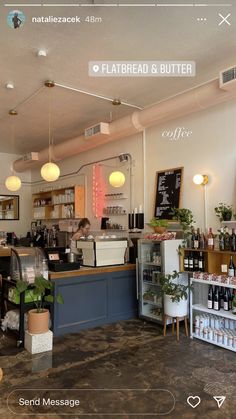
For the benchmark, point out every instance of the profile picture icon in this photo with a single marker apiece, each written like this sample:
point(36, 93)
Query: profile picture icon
point(15, 19)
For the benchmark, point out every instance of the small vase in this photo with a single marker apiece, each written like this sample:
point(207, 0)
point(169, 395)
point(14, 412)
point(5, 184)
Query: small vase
point(159, 230)
point(227, 216)
point(38, 322)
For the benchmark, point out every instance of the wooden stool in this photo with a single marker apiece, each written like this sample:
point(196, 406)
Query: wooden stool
point(177, 325)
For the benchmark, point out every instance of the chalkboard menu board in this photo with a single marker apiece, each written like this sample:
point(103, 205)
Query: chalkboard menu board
point(168, 191)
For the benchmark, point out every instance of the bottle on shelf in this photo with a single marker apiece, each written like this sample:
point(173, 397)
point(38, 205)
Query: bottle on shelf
point(210, 240)
point(222, 239)
point(210, 297)
point(227, 239)
point(201, 264)
point(216, 299)
point(233, 241)
point(190, 262)
point(195, 262)
point(231, 268)
point(234, 302)
point(222, 296)
point(196, 240)
point(230, 298)
point(186, 266)
point(226, 300)
point(202, 241)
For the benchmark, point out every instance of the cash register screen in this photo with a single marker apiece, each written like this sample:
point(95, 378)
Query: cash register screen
point(53, 256)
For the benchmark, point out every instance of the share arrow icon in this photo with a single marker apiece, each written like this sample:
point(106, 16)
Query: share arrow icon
point(219, 400)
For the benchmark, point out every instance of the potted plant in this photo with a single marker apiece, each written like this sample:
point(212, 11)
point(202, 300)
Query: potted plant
point(224, 212)
point(159, 226)
point(185, 217)
point(175, 295)
point(42, 292)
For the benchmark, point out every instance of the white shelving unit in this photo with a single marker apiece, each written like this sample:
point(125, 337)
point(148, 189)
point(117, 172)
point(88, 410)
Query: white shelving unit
point(198, 305)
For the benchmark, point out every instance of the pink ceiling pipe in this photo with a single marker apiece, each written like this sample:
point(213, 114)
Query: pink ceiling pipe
point(194, 100)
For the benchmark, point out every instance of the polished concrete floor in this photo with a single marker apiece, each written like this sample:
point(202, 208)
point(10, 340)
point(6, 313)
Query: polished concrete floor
point(120, 371)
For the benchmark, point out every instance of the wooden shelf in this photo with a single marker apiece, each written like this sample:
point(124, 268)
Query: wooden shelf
point(45, 212)
point(213, 259)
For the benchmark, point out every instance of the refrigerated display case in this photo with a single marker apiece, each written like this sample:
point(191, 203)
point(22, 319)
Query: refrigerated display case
point(28, 263)
point(154, 258)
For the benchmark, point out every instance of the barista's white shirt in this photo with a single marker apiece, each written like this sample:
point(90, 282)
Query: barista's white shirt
point(73, 247)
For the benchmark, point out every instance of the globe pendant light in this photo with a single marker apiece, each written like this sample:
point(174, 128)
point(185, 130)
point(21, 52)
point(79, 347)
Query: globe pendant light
point(13, 182)
point(117, 179)
point(50, 171)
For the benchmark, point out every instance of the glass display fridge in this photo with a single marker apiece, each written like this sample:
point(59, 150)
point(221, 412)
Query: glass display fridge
point(154, 258)
point(28, 263)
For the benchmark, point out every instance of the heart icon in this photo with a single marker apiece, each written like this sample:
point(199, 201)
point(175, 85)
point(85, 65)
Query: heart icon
point(193, 401)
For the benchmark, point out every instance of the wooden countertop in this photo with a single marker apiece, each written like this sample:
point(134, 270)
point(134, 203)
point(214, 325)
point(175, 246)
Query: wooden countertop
point(5, 251)
point(84, 271)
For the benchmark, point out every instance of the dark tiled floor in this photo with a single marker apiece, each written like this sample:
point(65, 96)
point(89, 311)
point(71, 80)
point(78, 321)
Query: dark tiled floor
point(127, 355)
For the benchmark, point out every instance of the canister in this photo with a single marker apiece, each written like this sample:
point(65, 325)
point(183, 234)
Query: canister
point(220, 337)
point(205, 333)
point(197, 321)
point(197, 330)
point(217, 323)
point(210, 334)
point(230, 341)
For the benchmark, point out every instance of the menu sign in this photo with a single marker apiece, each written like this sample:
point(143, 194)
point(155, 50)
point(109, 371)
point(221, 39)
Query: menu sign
point(168, 192)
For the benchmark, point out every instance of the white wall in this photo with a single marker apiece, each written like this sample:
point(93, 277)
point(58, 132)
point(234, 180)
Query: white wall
point(21, 226)
point(132, 145)
point(210, 150)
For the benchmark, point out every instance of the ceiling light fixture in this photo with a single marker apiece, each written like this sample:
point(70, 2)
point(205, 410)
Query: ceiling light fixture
point(10, 85)
point(116, 102)
point(117, 179)
point(50, 171)
point(42, 53)
point(13, 182)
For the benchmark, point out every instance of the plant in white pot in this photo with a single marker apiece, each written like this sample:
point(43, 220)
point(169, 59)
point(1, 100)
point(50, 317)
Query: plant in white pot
point(175, 295)
point(42, 292)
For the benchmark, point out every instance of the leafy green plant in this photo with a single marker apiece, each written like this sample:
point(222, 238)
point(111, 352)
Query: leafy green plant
point(185, 217)
point(172, 288)
point(155, 222)
point(224, 211)
point(42, 289)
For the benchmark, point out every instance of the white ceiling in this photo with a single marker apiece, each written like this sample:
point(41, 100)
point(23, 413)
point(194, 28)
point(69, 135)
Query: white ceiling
point(126, 33)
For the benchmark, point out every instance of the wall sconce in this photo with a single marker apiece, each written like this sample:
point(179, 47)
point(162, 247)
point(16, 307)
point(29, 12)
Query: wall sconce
point(200, 179)
point(117, 179)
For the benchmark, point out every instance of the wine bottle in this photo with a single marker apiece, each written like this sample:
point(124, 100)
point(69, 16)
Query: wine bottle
point(195, 262)
point(216, 299)
point(227, 239)
point(210, 297)
point(196, 240)
point(190, 261)
point(231, 268)
point(210, 240)
point(233, 240)
point(222, 296)
point(226, 300)
point(201, 262)
point(186, 267)
point(234, 302)
point(221, 239)
point(192, 238)
point(202, 242)
point(230, 298)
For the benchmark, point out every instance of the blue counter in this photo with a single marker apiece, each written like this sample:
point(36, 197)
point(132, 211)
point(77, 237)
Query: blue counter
point(94, 297)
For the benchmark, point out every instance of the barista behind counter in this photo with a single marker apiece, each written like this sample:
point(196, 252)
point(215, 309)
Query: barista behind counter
point(82, 232)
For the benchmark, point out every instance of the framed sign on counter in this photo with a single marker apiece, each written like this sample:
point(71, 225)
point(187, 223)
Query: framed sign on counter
point(168, 192)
